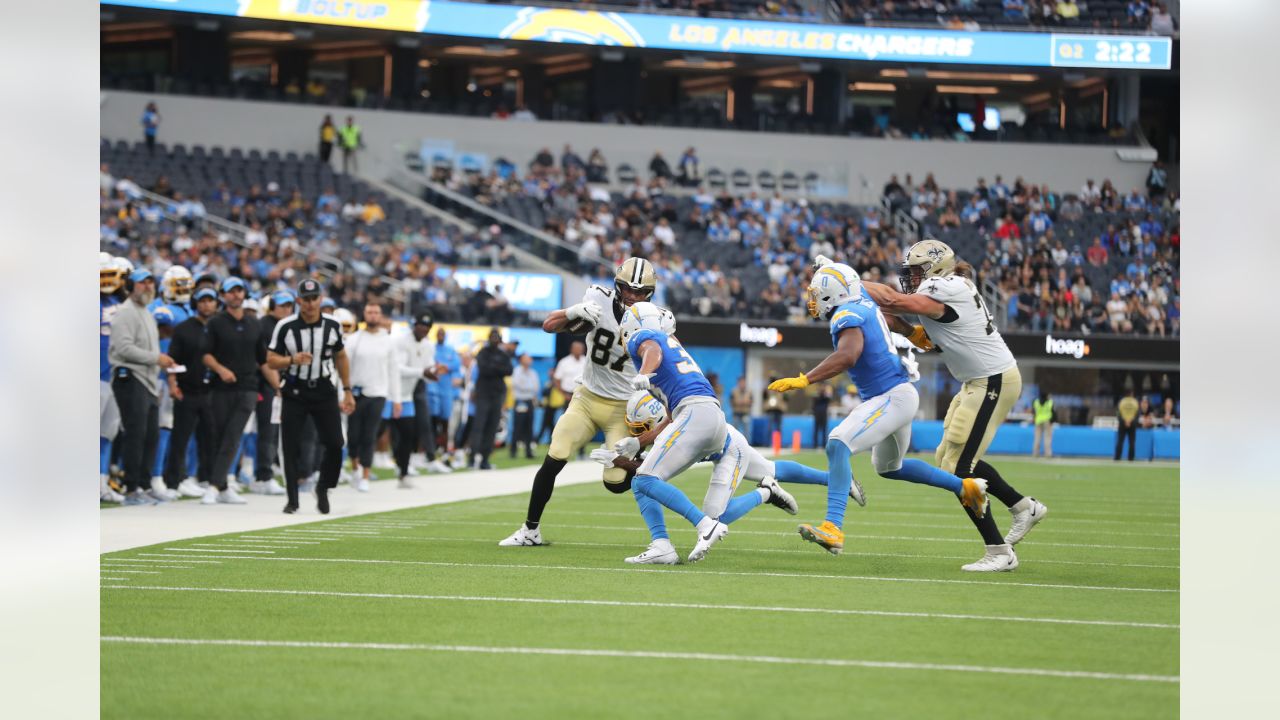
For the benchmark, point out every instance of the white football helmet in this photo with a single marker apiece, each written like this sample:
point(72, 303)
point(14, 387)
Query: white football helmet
point(832, 285)
point(176, 285)
point(644, 412)
point(668, 321)
point(346, 319)
point(110, 275)
point(639, 316)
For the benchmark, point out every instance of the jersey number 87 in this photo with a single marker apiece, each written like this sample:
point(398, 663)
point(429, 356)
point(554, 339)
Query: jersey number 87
point(602, 346)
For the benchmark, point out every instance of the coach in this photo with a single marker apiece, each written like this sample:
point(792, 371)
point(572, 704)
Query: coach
point(306, 348)
point(234, 357)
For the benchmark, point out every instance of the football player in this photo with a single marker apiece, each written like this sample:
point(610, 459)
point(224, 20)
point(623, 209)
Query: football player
point(955, 320)
point(735, 461)
point(111, 274)
point(170, 308)
point(600, 402)
point(863, 347)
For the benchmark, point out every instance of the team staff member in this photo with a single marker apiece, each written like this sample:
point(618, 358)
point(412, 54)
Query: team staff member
point(425, 423)
point(234, 356)
point(280, 306)
point(192, 411)
point(493, 365)
point(306, 349)
point(525, 388)
point(440, 393)
point(374, 377)
point(413, 362)
point(136, 361)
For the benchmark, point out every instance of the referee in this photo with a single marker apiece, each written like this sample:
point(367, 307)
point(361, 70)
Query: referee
point(306, 348)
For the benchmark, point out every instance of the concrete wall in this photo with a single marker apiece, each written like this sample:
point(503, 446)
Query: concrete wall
point(859, 165)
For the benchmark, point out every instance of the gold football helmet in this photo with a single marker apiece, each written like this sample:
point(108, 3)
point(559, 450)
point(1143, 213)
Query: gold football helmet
point(926, 259)
point(637, 276)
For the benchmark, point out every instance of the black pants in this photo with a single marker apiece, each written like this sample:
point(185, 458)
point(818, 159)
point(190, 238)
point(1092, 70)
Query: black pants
point(320, 407)
point(362, 429)
point(404, 438)
point(231, 411)
point(326, 150)
point(522, 427)
point(192, 414)
point(268, 440)
point(311, 455)
point(484, 426)
point(820, 431)
point(1131, 432)
point(548, 423)
point(140, 420)
point(151, 144)
point(424, 425)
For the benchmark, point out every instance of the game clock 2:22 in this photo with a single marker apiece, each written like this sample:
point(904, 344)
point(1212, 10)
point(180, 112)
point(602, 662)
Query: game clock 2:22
point(1111, 52)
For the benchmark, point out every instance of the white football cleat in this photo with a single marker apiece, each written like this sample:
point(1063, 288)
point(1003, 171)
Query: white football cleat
point(383, 461)
point(855, 492)
point(1026, 513)
point(266, 487)
point(438, 466)
point(659, 552)
point(712, 533)
point(161, 492)
point(230, 497)
point(361, 484)
point(210, 496)
point(778, 497)
point(190, 488)
point(110, 496)
point(524, 537)
point(999, 558)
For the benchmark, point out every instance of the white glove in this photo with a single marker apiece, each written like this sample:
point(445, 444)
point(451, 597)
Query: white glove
point(604, 456)
point(640, 382)
point(821, 261)
point(627, 446)
point(588, 311)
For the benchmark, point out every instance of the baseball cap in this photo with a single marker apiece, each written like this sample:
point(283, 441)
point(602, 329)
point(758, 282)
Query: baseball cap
point(282, 297)
point(308, 288)
point(203, 293)
point(328, 303)
point(233, 282)
point(250, 304)
point(424, 319)
point(141, 274)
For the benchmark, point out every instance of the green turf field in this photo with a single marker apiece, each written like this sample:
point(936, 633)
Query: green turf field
point(418, 613)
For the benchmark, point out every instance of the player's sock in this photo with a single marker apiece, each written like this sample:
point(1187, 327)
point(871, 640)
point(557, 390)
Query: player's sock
point(839, 479)
point(669, 495)
point(544, 483)
point(743, 504)
point(996, 486)
point(651, 511)
point(793, 472)
point(162, 449)
point(986, 527)
point(104, 456)
point(919, 471)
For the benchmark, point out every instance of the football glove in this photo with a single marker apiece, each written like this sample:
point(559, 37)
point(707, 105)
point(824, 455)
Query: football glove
point(604, 456)
point(586, 311)
point(627, 446)
point(920, 338)
point(640, 382)
point(798, 382)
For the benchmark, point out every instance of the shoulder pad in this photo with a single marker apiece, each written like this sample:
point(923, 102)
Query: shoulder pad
point(607, 292)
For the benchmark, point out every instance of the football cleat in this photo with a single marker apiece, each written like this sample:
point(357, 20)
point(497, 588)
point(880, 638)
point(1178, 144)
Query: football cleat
point(855, 492)
point(231, 497)
point(827, 535)
point(162, 492)
point(973, 495)
point(714, 534)
point(436, 466)
point(110, 496)
point(138, 497)
point(778, 497)
point(406, 483)
point(524, 537)
point(1026, 513)
point(190, 488)
point(999, 558)
point(361, 484)
point(659, 552)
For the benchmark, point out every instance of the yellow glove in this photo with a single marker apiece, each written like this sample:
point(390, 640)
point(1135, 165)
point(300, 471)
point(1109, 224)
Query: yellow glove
point(798, 382)
point(920, 338)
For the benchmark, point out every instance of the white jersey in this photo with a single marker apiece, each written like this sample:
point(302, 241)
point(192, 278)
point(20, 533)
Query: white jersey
point(971, 346)
point(609, 370)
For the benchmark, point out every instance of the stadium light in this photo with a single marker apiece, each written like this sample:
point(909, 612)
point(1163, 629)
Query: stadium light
point(968, 89)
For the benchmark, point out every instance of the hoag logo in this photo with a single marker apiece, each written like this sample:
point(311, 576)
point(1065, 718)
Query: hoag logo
point(764, 335)
point(1061, 346)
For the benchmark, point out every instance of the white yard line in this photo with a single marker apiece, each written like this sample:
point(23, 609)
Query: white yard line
point(694, 573)
point(134, 527)
point(195, 549)
point(121, 568)
point(135, 572)
point(226, 545)
point(651, 655)
point(143, 560)
point(639, 604)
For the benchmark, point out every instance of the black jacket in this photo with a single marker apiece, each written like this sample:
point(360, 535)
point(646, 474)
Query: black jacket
point(187, 347)
point(235, 344)
point(493, 364)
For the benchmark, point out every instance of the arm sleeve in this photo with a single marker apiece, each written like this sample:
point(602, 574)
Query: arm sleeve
point(178, 347)
point(639, 337)
point(211, 342)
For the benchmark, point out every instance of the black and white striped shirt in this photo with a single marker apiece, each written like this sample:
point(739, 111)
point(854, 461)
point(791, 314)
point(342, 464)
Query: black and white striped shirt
point(322, 338)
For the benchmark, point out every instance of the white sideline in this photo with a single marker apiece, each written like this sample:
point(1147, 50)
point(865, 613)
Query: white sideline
point(132, 527)
point(676, 573)
point(649, 655)
point(641, 604)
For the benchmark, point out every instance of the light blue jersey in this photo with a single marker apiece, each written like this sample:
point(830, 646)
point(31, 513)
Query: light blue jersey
point(878, 369)
point(678, 377)
point(180, 312)
point(107, 307)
